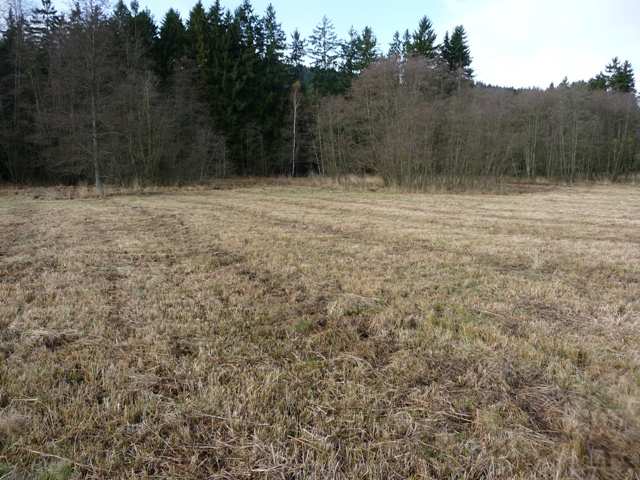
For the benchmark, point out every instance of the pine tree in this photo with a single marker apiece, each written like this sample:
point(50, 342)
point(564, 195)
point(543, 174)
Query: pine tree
point(143, 29)
point(367, 52)
point(406, 43)
point(274, 37)
point(44, 21)
point(395, 47)
point(13, 110)
point(134, 36)
point(324, 45)
point(620, 76)
point(459, 54)
point(599, 82)
point(297, 50)
point(324, 53)
point(171, 44)
point(249, 27)
point(445, 51)
point(424, 39)
point(350, 53)
point(215, 15)
point(218, 52)
point(274, 80)
point(120, 22)
point(245, 91)
point(613, 68)
point(198, 35)
point(628, 77)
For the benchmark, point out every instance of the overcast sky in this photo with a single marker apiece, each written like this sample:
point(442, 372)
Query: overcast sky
point(513, 42)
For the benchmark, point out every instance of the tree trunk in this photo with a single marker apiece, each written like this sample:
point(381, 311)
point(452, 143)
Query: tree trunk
point(295, 100)
point(94, 148)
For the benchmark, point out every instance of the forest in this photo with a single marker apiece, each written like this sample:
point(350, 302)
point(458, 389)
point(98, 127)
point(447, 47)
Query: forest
point(107, 96)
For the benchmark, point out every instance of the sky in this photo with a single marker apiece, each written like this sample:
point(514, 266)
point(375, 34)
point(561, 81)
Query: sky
point(520, 43)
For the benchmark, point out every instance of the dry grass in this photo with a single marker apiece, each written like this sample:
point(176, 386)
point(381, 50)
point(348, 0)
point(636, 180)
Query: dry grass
point(285, 331)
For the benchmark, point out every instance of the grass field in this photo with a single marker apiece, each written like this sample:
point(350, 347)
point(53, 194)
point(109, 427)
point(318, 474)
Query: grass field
point(298, 332)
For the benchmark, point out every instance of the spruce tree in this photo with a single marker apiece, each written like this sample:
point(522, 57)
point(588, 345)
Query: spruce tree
point(367, 52)
point(171, 44)
point(198, 36)
point(445, 51)
point(350, 49)
point(406, 43)
point(324, 45)
point(44, 21)
point(620, 76)
point(297, 50)
point(247, 90)
point(324, 53)
point(613, 70)
point(423, 41)
point(274, 81)
point(395, 47)
point(218, 52)
point(14, 124)
point(274, 37)
point(143, 30)
point(629, 83)
point(459, 54)
point(599, 82)
point(120, 23)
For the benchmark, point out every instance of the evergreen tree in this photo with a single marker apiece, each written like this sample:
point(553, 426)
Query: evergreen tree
point(445, 51)
point(249, 27)
point(274, 81)
point(44, 22)
point(16, 97)
point(295, 59)
point(218, 51)
point(198, 35)
point(367, 51)
point(423, 41)
point(324, 53)
point(324, 45)
point(143, 28)
point(297, 50)
point(406, 43)
point(120, 23)
point(620, 76)
point(274, 38)
point(171, 45)
point(628, 77)
point(395, 47)
point(458, 54)
point(599, 82)
point(134, 38)
point(613, 69)
point(350, 50)
point(44, 29)
point(250, 46)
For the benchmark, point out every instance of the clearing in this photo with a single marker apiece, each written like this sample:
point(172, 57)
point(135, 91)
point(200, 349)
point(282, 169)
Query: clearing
point(299, 332)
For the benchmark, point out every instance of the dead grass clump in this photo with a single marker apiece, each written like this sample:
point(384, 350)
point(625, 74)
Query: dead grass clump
point(11, 425)
point(348, 305)
point(49, 339)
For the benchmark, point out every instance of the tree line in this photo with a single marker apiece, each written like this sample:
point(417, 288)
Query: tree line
point(428, 130)
point(106, 95)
